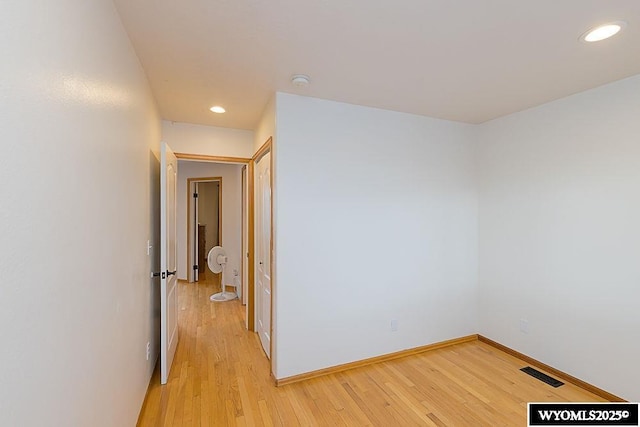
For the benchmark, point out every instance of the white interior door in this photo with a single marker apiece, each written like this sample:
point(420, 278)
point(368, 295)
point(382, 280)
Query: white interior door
point(263, 251)
point(168, 279)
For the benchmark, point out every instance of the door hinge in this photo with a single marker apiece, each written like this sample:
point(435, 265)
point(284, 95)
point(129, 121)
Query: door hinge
point(195, 267)
point(195, 195)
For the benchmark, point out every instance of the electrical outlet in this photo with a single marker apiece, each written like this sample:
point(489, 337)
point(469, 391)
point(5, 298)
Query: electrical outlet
point(149, 247)
point(524, 326)
point(394, 325)
point(148, 350)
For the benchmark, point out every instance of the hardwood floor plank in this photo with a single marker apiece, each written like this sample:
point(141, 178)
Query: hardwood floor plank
point(409, 401)
point(265, 414)
point(348, 410)
point(220, 377)
point(248, 403)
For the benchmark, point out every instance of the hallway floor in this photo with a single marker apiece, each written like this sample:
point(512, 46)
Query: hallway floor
point(220, 377)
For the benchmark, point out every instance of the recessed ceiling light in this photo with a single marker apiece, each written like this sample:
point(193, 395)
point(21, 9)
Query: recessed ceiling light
point(217, 109)
point(300, 80)
point(603, 31)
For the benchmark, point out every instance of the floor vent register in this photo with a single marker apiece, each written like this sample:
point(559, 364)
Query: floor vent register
point(542, 376)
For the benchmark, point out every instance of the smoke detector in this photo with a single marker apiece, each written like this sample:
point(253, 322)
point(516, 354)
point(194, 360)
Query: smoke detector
point(300, 80)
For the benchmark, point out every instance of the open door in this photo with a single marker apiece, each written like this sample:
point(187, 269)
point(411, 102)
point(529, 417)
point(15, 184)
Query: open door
point(196, 235)
point(168, 256)
point(263, 251)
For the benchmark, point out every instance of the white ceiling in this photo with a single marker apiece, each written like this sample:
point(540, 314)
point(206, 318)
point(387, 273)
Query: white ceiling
point(464, 60)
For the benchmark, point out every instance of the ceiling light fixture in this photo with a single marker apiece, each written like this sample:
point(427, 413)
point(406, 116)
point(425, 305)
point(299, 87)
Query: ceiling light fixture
point(217, 109)
point(603, 31)
point(300, 80)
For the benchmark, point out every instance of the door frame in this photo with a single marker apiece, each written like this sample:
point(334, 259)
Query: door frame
point(191, 232)
point(250, 314)
point(250, 162)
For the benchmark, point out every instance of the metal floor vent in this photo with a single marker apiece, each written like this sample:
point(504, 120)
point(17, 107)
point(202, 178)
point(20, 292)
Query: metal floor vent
point(542, 377)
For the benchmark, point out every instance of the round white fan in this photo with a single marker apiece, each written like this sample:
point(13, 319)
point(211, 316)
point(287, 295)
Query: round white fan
point(216, 260)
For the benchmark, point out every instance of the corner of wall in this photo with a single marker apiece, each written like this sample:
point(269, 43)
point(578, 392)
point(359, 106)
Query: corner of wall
point(266, 127)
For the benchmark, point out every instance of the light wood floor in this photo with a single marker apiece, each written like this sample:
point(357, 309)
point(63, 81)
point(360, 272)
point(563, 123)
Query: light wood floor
point(220, 377)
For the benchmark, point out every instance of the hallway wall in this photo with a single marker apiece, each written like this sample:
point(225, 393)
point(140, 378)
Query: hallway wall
point(77, 305)
point(208, 140)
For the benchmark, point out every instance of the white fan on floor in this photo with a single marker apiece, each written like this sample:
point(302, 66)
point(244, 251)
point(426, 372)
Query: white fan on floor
point(216, 260)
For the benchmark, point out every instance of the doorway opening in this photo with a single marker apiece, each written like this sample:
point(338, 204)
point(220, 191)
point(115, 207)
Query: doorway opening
point(256, 216)
point(204, 213)
point(199, 177)
point(193, 172)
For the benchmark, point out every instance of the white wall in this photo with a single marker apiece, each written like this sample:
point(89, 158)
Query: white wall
point(376, 220)
point(79, 179)
point(231, 211)
point(266, 127)
point(560, 234)
point(209, 140)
